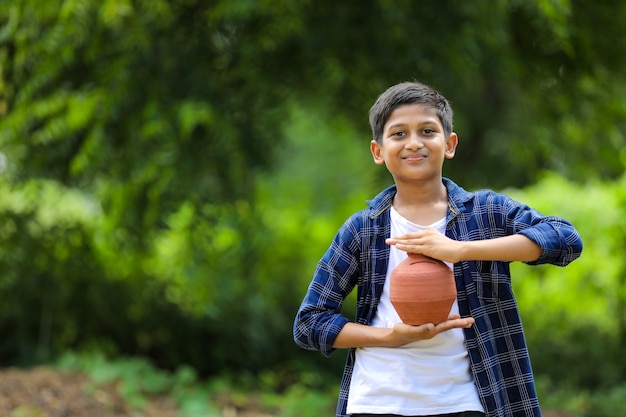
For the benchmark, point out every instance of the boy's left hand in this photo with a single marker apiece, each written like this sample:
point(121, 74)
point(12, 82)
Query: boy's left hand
point(430, 243)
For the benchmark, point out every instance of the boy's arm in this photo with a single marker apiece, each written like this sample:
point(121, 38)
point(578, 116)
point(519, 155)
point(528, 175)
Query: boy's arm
point(509, 248)
point(319, 319)
point(432, 243)
point(354, 335)
point(497, 228)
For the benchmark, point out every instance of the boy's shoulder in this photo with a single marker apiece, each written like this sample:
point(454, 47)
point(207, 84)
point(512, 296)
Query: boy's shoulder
point(462, 200)
point(381, 202)
point(370, 218)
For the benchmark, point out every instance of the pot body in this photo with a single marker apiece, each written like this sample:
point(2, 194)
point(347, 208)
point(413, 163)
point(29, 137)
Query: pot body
point(422, 290)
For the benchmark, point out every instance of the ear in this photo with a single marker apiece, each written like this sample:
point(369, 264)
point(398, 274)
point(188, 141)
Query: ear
point(451, 144)
point(377, 152)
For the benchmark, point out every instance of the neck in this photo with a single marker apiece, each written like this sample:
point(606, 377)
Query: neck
point(423, 204)
point(421, 194)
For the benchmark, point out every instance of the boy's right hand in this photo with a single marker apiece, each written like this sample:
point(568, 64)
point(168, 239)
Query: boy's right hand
point(406, 333)
point(354, 335)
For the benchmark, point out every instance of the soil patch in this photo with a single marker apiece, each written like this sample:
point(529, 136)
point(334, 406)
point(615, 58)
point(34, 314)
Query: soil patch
point(43, 392)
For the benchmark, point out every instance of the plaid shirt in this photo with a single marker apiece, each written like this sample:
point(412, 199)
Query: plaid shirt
point(358, 256)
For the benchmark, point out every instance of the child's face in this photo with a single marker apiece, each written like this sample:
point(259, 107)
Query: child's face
point(414, 145)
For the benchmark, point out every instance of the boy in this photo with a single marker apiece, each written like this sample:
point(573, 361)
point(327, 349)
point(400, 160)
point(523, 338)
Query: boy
point(474, 364)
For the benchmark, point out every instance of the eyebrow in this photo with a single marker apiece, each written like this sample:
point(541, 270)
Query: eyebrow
point(427, 122)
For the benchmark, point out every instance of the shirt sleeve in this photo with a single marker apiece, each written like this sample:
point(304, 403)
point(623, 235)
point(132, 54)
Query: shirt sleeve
point(319, 319)
point(558, 239)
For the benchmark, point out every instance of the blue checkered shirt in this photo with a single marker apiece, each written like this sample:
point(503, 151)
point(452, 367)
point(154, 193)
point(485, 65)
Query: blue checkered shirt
point(358, 256)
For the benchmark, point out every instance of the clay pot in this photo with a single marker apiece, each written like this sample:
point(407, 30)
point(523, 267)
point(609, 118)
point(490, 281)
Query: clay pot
point(422, 290)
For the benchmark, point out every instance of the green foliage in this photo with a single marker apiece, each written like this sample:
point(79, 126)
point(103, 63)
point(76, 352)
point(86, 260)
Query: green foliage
point(138, 94)
point(278, 394)
point(43, 226)
point(579, 402)
point(91, 288)
point(137, 381)
point(152, 95)
point(301, 401)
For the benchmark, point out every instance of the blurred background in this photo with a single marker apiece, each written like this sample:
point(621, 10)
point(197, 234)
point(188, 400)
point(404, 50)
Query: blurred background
point(172, 170)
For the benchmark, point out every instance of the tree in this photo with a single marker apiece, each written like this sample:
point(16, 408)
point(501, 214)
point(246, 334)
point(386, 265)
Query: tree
point(166, 100)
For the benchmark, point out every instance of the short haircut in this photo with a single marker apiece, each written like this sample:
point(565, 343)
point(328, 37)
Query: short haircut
point(409, 93)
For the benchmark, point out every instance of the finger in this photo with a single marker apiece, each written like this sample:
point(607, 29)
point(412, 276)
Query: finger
point(399, 241)
point(466, 322)
point(455, 324)
point(428, 331)
point(469, 320)
point(426, 328)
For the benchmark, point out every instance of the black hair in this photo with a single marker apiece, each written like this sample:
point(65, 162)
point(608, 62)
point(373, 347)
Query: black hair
point(409, 93)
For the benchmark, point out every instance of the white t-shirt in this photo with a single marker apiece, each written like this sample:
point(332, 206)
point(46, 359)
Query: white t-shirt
point(421, 378)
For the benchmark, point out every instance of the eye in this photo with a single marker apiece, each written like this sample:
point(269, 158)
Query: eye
point(399, 133)
point(428, 131)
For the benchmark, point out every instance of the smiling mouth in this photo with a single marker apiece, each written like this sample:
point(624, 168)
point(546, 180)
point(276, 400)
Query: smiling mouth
point(414, 157)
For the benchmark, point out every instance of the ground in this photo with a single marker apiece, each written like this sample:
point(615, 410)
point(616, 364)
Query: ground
point(43, 392)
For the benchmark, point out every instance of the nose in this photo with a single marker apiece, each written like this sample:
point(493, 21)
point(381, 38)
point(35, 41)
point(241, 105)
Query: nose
point(413, 141)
